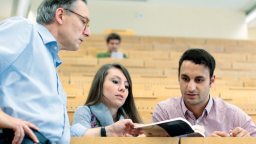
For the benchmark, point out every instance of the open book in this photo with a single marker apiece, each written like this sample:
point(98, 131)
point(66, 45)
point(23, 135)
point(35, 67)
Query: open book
point(173, 127)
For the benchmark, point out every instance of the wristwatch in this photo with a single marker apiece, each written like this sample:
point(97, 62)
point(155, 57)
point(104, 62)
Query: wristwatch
point(103, 132)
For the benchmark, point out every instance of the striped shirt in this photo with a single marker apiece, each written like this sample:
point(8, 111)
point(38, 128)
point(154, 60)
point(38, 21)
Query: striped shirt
point(217, 115)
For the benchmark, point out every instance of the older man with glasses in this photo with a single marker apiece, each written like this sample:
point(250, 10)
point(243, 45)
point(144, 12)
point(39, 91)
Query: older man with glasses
point(32, 100)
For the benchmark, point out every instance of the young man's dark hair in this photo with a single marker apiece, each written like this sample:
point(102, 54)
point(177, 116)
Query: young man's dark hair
point(199, 56)
point(113, 36)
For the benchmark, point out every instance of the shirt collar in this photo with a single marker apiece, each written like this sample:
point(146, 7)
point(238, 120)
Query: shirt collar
point(207, 108)
point(209, 105)
point(45, 34)
point(50, 42)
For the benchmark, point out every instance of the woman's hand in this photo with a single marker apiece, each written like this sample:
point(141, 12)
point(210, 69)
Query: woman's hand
point(122, 128)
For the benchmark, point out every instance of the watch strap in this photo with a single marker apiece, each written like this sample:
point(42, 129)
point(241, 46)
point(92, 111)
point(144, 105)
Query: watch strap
point(103, 132)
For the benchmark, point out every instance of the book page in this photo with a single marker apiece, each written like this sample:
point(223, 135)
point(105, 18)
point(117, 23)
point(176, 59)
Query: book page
point(170, 120)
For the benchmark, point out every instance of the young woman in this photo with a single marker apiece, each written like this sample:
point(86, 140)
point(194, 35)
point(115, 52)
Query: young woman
point(110, 100)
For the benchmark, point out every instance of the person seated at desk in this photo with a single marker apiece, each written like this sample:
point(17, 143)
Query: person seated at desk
point(109, 102)
point(196, 77)
point(113, 43)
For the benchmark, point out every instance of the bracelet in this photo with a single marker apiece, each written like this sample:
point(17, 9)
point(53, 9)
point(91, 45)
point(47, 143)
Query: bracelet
point(103, 132)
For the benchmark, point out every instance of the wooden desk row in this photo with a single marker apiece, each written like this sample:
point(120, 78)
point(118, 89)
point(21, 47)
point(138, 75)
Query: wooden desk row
point(129, 37)
point(160, 140)
point(160, 61)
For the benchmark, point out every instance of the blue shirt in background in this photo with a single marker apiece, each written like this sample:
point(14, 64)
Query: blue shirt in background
point(30, 88)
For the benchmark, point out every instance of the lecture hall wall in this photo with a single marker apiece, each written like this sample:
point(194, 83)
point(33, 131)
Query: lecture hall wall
point(1, 19)
point(252, 33)
point(160, 20)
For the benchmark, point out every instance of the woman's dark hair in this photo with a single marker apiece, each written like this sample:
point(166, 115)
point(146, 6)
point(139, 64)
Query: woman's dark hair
point(199, 56)
point(95, 94)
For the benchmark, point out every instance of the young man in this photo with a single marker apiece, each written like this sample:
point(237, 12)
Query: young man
point(113, 43)
point(196, 77)
point(31, 94)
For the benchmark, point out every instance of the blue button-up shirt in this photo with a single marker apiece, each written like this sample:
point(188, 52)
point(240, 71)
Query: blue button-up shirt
point(30, 88)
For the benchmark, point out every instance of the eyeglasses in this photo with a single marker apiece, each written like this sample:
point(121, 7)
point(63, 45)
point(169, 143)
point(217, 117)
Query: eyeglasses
point(85, 22)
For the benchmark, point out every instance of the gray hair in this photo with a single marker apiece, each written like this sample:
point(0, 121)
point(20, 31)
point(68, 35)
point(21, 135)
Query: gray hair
point(46, 10)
